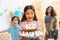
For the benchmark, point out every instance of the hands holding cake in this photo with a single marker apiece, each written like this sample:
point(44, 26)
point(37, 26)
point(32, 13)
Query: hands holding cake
point(30, 30)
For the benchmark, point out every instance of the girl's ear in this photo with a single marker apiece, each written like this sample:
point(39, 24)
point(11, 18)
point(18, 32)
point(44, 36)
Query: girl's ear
point(11, 14)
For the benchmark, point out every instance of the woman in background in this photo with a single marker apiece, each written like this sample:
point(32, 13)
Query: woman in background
point(50, 23)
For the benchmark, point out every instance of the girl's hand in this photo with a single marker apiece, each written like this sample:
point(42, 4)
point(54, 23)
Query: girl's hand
point(22, 29)
point(3, 31)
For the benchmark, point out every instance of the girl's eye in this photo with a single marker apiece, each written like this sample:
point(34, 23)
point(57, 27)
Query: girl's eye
point(15, 20)
point(27, 13)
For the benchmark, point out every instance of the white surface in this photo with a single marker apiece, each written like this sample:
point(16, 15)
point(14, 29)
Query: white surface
point(4, 22)
point(13, 4)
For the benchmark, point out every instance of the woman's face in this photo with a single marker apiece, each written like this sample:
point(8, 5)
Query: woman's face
point(29, 15)
point(15, 21)
point(49, 10)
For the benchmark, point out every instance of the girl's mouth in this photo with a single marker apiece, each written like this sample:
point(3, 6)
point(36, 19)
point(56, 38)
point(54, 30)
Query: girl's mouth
point(30, 18)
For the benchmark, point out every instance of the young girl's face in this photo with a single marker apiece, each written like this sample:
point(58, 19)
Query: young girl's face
point(29, 15)
point(15, 21)
point(49, 10)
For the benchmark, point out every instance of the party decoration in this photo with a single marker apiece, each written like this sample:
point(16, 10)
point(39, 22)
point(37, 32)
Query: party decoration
point(17, 12)
point(10, 13)
point(1, 14)
point(5, 10)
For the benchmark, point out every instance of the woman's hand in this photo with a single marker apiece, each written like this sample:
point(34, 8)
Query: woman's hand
point(54, 34)
point(51, 25)
point(52, 20)
point(47, 33)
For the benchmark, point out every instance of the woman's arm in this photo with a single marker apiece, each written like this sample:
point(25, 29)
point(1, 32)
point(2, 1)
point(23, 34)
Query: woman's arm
point(46, 28)
point(46, 23)
point(51, 26)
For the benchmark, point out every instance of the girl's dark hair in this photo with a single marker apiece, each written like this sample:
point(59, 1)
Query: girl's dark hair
point(59, 22)
point(25, 9)
point(53, 13)
point(14, 18)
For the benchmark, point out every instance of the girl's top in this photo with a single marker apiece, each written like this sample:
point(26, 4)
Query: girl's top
point(14, 31)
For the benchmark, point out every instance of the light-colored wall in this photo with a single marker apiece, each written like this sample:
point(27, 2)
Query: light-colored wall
point(41, 8)
point(39, 14)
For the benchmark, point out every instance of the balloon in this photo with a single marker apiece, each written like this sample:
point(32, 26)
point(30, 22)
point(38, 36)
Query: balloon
point(11, 13)
point(5, 10)
point(1, 14)
point(17, 12)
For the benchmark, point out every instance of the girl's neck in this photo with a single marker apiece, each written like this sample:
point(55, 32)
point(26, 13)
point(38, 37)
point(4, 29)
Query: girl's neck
point(28, 21)
point(14, 25)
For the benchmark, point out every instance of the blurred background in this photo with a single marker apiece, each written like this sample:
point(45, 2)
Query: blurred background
point(9, 8)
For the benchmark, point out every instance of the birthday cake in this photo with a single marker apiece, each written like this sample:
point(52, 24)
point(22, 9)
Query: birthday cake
point(31, 34)
point(31, 27)
point(31, 31)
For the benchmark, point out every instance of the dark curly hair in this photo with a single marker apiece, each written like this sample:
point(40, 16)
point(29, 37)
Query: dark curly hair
point(53, 13)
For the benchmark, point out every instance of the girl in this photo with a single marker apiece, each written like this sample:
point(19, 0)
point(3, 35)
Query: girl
point(50, 23)
point(29, 19)
point(13, 29)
